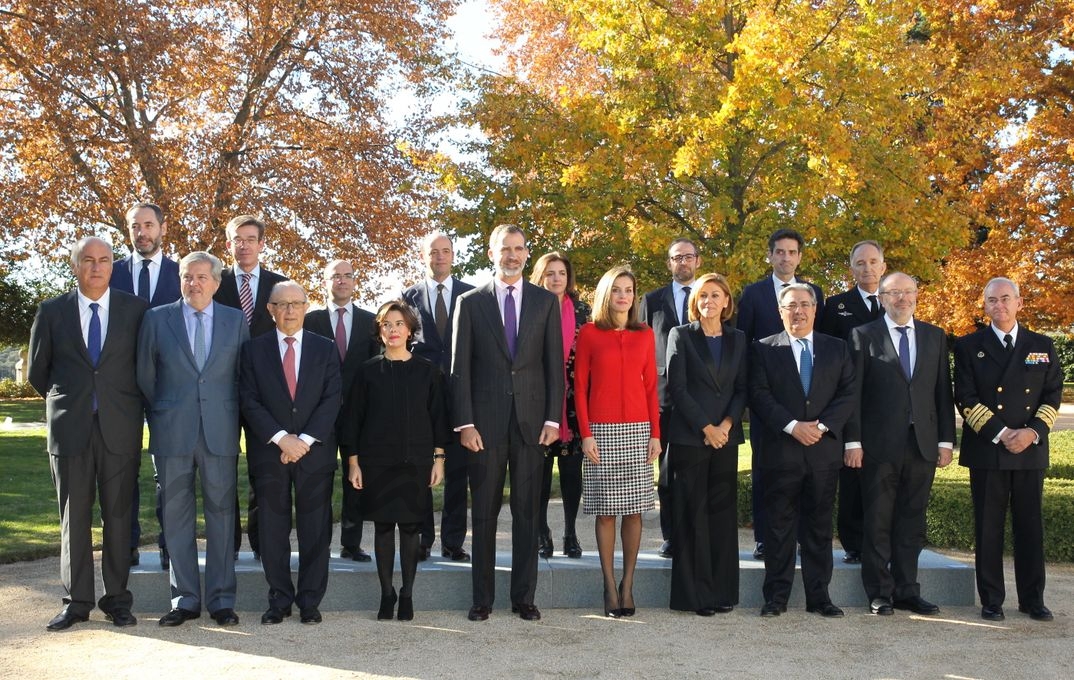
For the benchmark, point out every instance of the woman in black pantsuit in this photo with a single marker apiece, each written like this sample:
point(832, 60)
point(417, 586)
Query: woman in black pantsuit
point(394, 435)
point(707, 389)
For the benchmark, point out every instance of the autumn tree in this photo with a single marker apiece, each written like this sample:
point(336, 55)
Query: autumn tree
point(212, 108)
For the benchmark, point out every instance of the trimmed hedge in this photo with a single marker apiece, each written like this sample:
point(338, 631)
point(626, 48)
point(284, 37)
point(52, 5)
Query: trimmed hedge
point(9, 389)
point(1064, 348)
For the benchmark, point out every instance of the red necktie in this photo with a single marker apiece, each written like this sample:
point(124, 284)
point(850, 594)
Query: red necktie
point(341, 334)
point(289, 367)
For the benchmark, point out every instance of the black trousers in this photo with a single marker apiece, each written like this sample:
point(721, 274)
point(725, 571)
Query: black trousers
point(896, 494)
point(570, 484)
point(798, 502)
point(453, 516)
point(851, 518)
point(704, 566)
point(1023, 491)
point(488, 471)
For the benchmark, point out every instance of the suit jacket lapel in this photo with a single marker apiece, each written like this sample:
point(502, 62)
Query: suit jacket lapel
point(71, 319)
point(353, 339)
point(701, 346)
point(790, 367)
point(491, 307)
point(669, 306)
point(178, 327)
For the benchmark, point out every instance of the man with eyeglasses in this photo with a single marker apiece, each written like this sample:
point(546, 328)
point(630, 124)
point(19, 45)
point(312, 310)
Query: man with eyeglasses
point(802, 395)
point(903, 429)
point(842, 314)
point(246, 286)
point(759, 317)
point(435, 298)
point(289, 389)
point(663, 309)
point(1008, 386)
point(352, 330)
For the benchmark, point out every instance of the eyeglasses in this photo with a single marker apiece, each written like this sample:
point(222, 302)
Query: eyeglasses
point(340, 277)
point(899, 293)
point(289, 305)
point(679, 259)
point(795, 306)
point(251, 241)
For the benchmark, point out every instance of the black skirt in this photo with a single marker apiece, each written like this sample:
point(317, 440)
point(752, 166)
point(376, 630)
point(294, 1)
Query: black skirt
point(396, 493)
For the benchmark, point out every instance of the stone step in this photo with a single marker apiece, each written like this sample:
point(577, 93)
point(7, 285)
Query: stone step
point(562, 583)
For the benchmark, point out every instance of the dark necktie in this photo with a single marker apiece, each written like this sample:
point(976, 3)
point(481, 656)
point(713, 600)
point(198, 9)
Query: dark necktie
point(143, 281)
point(805, 367)
point(246, 299)
point(341, 334)
point(441, 312)
point(685, 317)
point(510, 321)
point(199, 340)
point(93, 337)
point(904, 350)
point(1008, 343)
point(874, 308)
point(289, 367)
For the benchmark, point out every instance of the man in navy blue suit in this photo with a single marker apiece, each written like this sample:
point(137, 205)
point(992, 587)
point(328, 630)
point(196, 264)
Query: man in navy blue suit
point(434, 298)
point(154, 278)
point(758, 317)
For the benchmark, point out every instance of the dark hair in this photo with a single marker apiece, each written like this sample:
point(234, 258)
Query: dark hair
point(721, 282)
point(682, 239)
point(152, 206)
point(780, 234)
point(238, 221)
point(602, 300)
point(410, 318)
point(536, 278)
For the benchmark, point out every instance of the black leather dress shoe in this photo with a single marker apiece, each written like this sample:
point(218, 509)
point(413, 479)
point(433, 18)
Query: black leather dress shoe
point(881, 606)
point(571, 547)
point(274, 615)
point(706, 611)
point(65, 620)
point(1037, 612)
point(135, 557)
point(772, 609)
point(917, 605)
point(165, 559)
point(992, 612)
point(758, 552)
point(225, 617)
point(178, 617)
point(354, 553)
point(665, 549)
point(423, 553)
point(852, 557)
point(121, 617)
point(311, 615)
point(456, 554)
point(479, 613)
point(827, 610)
point(724, 608)
point(526, 612)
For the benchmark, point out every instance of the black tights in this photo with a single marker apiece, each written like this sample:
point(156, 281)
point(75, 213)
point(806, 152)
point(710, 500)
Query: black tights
point(384, 548)
point(570, 485)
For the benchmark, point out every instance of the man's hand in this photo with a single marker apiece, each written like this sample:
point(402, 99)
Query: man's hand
point(292, 448)
point(470, 439)
point(807, 434)
point(589, 448)
point(852, 457)
point(945, 457)
point(549, 435)
point(1019, 440)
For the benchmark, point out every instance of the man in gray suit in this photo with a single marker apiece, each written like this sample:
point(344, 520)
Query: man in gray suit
point(904, 428)
point(82, 349)
point(188, 369)
point(507, 384)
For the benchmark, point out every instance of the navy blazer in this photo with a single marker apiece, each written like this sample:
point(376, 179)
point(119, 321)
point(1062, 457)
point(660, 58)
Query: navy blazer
point(228, 294)
point(758, 309)
point(429, 343)
point(845, 312)
point(777, 398)
point(267, 406)
point(167, 289)
point(658, 310)
point(700, 392)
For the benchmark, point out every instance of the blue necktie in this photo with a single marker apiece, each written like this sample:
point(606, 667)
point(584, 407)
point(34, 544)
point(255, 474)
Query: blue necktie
point(904, 350)
point(143, 281)
point(685, 314)
point(510, 322)
point(93, 339)
point(805, 368)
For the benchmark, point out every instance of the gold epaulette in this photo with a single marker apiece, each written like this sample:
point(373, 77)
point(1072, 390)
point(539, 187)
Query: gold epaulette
point(977, 416)
point(1048, 415)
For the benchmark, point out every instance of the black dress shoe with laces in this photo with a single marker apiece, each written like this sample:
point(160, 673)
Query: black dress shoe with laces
point(827, 610)
point(526, 612)
point(881, 606)
point(354, 553)
point(992, 612)
point(917, 605)
point(225, 617)
point(479, 613)
point(177, 617)
point(772, 609)
point(665, 550)
point(310, 616)
point(65, 620)
point(455, 554)
point(274, 615)
point(1037, 612)
point(121, 617)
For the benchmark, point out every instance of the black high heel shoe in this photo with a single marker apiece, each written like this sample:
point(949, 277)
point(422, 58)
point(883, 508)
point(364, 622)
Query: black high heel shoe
point(387, 606)
point(406, 608)
point(624, 611)
point(545, 548)
point(610, 611)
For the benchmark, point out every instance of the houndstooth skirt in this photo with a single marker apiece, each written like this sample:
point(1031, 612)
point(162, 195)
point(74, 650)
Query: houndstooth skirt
point(623, 482)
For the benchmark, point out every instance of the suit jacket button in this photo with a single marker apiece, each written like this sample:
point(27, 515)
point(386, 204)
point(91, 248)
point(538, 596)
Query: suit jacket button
point(999, 389)
point(1027, 392)
point(1027, 408)
point(999, 406)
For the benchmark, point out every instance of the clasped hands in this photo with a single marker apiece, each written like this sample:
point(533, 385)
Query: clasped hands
point(292, 448)
point(1018, 440)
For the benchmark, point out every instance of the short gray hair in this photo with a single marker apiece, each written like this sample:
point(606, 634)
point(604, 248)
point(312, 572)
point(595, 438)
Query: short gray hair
point(432, 236)
point(784, 292)
point(216, 267)
point(1002, 279)
point(76, 252)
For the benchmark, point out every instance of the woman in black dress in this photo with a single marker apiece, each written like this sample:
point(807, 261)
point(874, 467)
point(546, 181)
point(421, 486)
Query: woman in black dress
point(394, 437)
point(707, 389)
point(554, 273)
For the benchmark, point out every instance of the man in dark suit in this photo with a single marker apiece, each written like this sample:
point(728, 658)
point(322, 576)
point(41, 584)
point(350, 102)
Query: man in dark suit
point(351, 328)
point(82, 353)
point(247, 286)
point(507, 386)
point(188, 370)
point(663, 309)
point(1008, 386)
point(435, 299)
point(759, 317)
point(903, 430)
point(154, 278)
point(802, 395)
point(842, 314)
point(289, 389)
